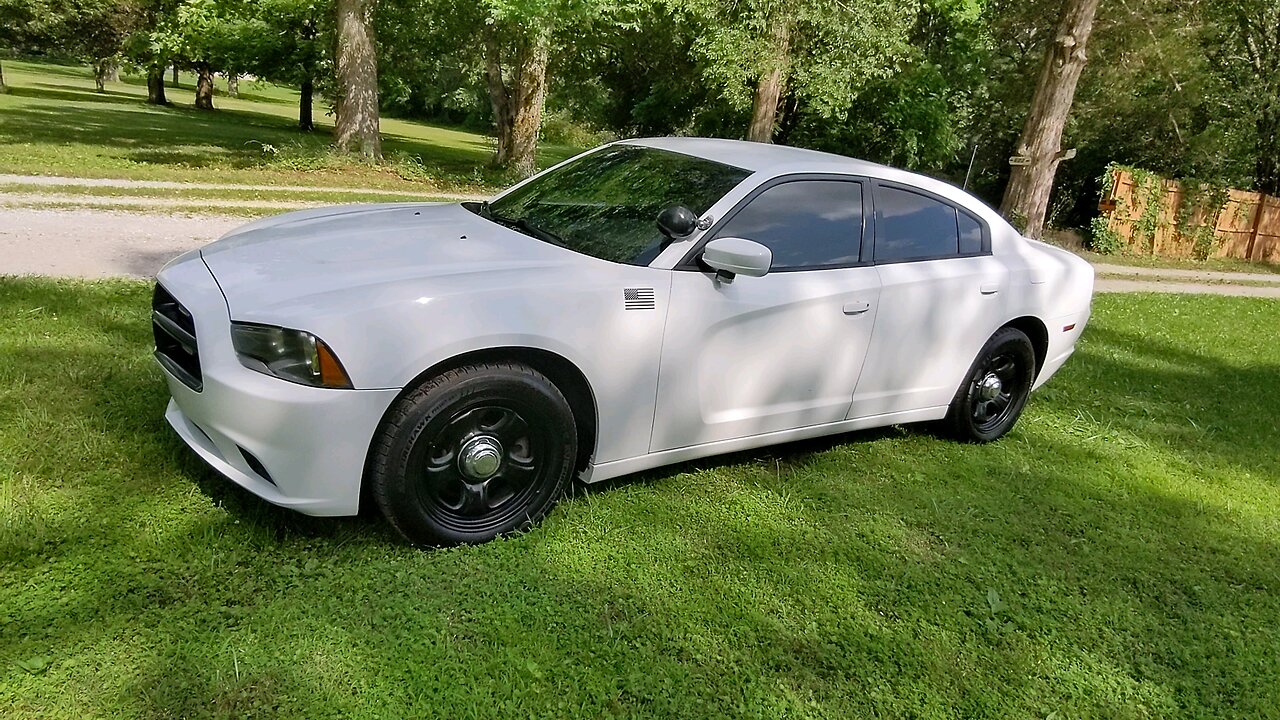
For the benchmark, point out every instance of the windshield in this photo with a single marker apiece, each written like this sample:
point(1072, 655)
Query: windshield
point(606, 204)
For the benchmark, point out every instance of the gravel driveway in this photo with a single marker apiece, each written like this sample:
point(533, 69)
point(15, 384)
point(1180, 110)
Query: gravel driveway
point(109, 243)
point(100, 243)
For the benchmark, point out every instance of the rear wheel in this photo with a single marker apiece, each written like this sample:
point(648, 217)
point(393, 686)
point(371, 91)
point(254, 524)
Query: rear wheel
point(996, 389)
point(474, 453)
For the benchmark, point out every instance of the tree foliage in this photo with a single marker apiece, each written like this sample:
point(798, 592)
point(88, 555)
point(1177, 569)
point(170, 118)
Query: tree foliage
point(1188, 88)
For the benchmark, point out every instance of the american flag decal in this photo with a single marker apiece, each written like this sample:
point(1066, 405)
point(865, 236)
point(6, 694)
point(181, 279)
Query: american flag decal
point(639, 299)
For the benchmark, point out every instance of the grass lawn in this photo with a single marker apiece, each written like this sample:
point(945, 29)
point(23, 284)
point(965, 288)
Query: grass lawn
point(241, 202)
point(53, 122)
point(1213, 264)
point(1117, 556)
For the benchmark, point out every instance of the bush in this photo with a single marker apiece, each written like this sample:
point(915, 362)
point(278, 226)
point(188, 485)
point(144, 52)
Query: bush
point(1102, 239)
point(558, 128)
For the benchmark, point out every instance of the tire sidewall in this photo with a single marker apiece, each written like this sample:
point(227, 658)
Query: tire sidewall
point(396, 474)
point(1005, 340)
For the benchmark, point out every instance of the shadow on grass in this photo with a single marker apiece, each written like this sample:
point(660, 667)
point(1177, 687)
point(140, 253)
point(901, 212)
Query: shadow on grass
point(179, 135)
point(843, 577)
point(45, 91)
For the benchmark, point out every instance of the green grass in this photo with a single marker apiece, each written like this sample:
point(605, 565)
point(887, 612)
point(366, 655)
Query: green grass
point(319, 194)
point(144, 208)
point(53, 122)
point(1115, 557)
point(1212, 264)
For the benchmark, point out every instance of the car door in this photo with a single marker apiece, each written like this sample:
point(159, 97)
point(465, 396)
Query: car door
point(761, 354)
point(942, 295)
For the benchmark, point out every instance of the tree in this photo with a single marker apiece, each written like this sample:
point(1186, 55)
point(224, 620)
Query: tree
point(1243, 44)
point(16, 18)
point(814, 53)
point(518, 37)
point(921, 116)
point(147, 46)
point(356, 113)
point(515, 73)
point(95, 31)
point(769, 88)
point(429, 63)
point(197, 35)
point(280, 41)
point(1026, 198)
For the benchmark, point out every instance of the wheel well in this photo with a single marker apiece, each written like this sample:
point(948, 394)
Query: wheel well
point(564, 374)
point(1034, 329)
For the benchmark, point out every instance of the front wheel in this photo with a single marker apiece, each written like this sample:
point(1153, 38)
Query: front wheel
point(996, 389)
point(474, 453)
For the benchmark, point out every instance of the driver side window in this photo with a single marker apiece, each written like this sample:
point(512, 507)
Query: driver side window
point(807, 224)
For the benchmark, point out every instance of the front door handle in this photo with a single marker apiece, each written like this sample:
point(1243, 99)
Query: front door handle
point(856, 308)
point(989, 289)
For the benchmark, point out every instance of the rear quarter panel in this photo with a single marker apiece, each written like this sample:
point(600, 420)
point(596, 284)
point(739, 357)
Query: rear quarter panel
point(1053, 285)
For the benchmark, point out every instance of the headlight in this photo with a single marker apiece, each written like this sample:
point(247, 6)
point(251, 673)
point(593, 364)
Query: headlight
point(291, 355)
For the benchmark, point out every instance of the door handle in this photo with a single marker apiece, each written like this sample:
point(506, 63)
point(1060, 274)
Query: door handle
point(856, 308)
point(989, 289)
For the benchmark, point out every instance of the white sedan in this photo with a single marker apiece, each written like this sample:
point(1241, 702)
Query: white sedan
point(645, 303)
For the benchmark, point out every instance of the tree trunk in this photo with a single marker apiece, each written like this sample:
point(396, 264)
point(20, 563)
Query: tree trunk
point(204, 87)
point(233, 85)
point(764, 106)
point(1267, 173)
point(305, 121)
point(175, 75)
point(155, 87)
point(356, 114)
point(101, 71)
point(1026, 199)
point(113, 72)
point(518, 104)
point(3, 88)
point(788, 116)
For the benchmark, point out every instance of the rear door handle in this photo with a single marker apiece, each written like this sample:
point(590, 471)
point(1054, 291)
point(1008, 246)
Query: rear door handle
point(856, 308)
point(989, 289)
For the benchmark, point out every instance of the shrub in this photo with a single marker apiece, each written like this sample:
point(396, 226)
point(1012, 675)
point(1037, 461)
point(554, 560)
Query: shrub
point(1102, 239)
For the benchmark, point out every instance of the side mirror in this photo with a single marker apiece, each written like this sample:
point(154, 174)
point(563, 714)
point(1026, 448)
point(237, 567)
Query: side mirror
point(737, 256)
point(677, 222)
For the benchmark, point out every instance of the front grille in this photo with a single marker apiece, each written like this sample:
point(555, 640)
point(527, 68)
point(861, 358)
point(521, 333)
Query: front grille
point(175, 332)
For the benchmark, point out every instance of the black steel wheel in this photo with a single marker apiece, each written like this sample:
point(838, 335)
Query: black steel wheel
point(995, 390)
point(475, 453)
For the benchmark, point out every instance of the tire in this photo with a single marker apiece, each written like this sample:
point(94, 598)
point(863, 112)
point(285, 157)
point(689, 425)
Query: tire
point(472, 454)
point(983, 409)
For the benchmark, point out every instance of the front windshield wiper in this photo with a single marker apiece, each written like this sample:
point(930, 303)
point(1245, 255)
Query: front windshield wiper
point(528, 228)
point(484, 210)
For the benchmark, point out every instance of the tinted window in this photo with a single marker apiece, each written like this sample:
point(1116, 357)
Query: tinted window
point(806, 223)
point(605, 204)
point(970, 234)
point(911, 226)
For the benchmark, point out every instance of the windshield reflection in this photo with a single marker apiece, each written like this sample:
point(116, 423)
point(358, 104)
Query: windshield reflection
point(605, 204)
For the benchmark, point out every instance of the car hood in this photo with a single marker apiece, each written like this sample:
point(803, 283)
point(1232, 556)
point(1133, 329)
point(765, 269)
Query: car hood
point(294, 258)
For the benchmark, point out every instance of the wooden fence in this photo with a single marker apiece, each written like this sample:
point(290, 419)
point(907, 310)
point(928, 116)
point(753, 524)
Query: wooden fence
point(1247, 227)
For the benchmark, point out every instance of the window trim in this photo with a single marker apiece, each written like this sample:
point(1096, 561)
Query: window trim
point(985, 250)
point(690, 260)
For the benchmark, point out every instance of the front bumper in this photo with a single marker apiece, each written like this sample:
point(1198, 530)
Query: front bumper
point(298, 447)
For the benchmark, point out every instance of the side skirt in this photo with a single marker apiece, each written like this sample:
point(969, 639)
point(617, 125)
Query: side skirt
point(616, 468)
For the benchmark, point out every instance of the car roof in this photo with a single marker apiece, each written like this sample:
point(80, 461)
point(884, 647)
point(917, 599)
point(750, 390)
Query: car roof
point(760, 157)
point(773, 160)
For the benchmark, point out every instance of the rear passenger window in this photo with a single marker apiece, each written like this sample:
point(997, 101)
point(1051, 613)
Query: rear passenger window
point(970, 234)
point(911, 226)
point(805, 223)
